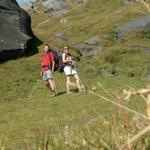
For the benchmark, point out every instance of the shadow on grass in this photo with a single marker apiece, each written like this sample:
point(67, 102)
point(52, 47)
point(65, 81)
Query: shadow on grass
point(64, 92)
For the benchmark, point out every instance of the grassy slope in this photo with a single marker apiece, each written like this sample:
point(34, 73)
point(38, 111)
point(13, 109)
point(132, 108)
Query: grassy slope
point(23, 118)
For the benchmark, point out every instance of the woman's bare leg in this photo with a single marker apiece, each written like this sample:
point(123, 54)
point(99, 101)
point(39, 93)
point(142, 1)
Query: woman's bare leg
point(68, 83)
point(78, 82)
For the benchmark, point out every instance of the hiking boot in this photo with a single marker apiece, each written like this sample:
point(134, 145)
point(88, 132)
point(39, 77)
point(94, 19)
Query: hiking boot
point(82, 90)
point(68, 92)
point(54, 94)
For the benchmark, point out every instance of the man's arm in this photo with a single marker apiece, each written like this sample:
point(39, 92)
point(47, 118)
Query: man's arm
point(53, 65)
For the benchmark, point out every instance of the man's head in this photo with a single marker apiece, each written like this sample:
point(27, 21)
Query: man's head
point(46, 48)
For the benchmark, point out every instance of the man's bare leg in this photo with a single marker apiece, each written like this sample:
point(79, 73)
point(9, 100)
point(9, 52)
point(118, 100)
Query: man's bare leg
point(47, 84)
point(52, 86)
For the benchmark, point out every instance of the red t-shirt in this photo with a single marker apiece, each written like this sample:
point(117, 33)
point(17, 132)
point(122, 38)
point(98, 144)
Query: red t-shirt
point(46, 60)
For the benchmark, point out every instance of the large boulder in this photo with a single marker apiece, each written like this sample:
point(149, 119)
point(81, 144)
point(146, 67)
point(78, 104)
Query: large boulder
point(15, 30)
point(139, 25)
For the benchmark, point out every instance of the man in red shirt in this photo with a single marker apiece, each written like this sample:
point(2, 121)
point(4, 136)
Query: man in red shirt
point(48, 64)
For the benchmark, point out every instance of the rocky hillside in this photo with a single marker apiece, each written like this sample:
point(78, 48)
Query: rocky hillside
point(112, 41)
point(111, 32)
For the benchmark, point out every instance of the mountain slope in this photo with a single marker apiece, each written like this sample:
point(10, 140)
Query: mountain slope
point(26, 107)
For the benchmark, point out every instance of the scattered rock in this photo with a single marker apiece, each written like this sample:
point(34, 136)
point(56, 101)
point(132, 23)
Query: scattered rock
point(89, 47)
point(147, 51)
point(93, 52)
point(64, 20)
point(148, 75)
point(131, 74)
point(60, 37)
point(15, 30)
point(125, 2)
point(55, 5)
point(92, 41)
point(81, 1)
point(28, 6)
point(139, 25)
point(60, 13)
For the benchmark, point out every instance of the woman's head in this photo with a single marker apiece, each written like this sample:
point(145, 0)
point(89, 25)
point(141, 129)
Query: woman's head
point(66, 48)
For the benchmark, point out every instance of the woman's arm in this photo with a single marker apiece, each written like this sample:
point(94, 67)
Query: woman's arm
point(64, 59)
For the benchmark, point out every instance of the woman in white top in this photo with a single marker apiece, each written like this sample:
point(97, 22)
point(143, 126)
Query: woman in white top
point(70, 71)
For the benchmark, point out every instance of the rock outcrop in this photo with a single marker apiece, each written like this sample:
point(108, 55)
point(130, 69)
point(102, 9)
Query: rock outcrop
point(90, 47)
point(139, 25)
point(15, 30)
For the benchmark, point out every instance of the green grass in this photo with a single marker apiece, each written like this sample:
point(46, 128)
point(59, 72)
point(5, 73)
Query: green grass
point(24, 120)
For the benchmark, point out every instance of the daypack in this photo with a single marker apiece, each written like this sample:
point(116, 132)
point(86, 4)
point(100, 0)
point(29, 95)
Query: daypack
point(55, 54)
point(59, 65)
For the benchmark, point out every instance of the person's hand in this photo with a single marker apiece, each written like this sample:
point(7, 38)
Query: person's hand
point(52, 71)
point(41, 73)
point(73, 61)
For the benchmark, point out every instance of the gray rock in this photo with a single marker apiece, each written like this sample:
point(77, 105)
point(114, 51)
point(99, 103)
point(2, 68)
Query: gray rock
point(26, 5)
point(60, 37)
point(89, 48)
point(55, 5)
point(92, 41)
point(147, 51)
point(64, 20)
point(60, 13)
point(15, 30)
point(125, 2)
point(87, 53)
point(142, 24)
point(148, 75)
point(81, 1)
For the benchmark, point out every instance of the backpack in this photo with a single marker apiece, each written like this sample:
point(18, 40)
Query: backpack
point(55, 58)
point(60, 62)
point(59, 65)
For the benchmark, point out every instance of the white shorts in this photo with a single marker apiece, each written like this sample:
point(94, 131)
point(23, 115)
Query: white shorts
point(69, 70)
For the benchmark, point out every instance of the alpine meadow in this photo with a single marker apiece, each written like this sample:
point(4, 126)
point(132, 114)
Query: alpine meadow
point(110, 43)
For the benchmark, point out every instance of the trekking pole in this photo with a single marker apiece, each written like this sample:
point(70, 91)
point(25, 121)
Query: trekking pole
point(34, 89)
point(82, 85)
